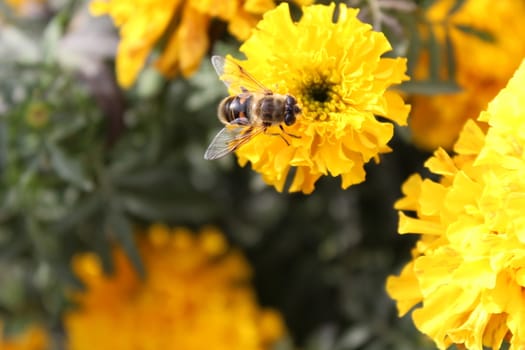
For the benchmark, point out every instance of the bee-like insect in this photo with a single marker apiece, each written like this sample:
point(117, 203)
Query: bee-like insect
point(252, 111)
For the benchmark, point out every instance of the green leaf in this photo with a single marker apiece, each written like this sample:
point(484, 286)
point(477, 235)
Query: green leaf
point(429, 87)
point(103, 248)
point(13, 248)
point(146, 178)
point(68, 168)
point(414, 48)
point(450, 56)
point(434, 49)
point(82, 212)
point(185, 208)
point(73, 126)
point(456, 7)
point(354, 337)
point(51, 38)
point(479, 33)
point(427, 4)
point(119, 226)
point(12, 294)
point(322, 339)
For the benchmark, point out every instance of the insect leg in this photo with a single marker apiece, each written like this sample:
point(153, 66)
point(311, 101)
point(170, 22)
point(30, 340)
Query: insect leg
point(287, 133)
point(280, 134)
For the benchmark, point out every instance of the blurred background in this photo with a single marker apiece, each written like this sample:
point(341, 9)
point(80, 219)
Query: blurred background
point(85, 163)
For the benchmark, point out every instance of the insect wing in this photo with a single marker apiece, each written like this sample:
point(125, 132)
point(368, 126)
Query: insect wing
point(229, 139)
point(236, 78)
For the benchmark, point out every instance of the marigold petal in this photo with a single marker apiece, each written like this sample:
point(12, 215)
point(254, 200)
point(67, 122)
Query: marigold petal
point(436, 270)
point(304, 180)
point(471, 331)
point(398, 110)
point(241, 25)
point(495, 331)
point(411, 189)
point(441, 163)
point(159, 235)
point(258, 6)
point(352, 177)
point(411, 225)
point(471, 139)
point(186, 46)
point(432, 198)
point(404, 288)
point(212, 241)
point(446, 308)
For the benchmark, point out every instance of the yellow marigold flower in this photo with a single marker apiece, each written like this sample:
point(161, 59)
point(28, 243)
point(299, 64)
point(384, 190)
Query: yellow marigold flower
point(336, 72)
point(467, 275)
point(184, 24)
point(437, 120)
point(33, 338)
point(195, 296)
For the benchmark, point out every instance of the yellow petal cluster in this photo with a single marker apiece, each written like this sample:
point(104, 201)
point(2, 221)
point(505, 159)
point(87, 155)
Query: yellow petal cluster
point(467, 276)
point(183, 23)
point(32, 338)
point(482, 68)
point(195, 296)
point(336, 71)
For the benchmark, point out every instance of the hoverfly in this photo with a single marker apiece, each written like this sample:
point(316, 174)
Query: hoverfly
point(252, 111)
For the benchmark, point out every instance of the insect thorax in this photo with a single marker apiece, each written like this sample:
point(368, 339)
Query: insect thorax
point(270, 109)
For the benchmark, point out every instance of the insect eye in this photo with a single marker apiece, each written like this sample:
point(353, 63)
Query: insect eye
point(289, 119)
point(290, 100)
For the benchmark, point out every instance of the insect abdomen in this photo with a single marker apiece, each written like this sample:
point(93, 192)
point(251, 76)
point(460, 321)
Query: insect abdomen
point(235, 107)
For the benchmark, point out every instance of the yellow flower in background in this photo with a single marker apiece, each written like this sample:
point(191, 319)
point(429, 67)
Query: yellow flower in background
point(195, 296)
point(33, 338)
point(482, 67)
point(467, 276)
point(336, 72)
point(183, 23)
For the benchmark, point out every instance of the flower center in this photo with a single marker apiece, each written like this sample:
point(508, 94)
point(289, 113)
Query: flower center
point(320, 98)
point(319, 92)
